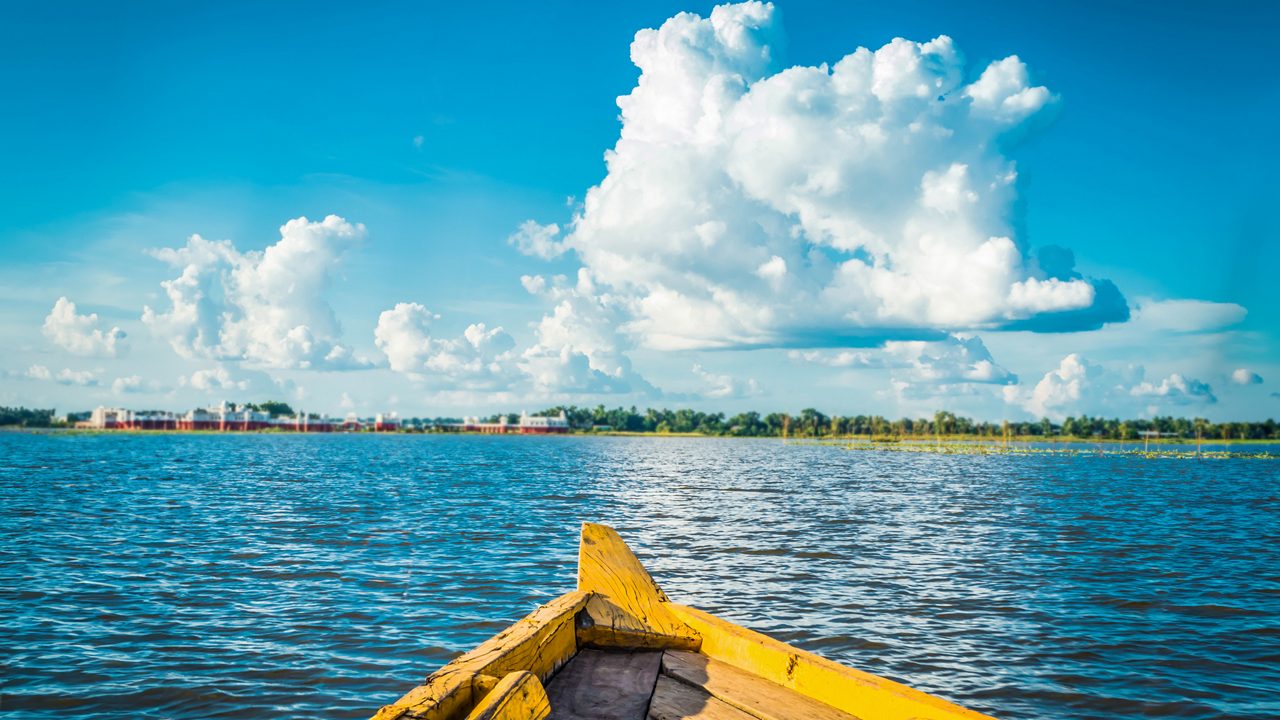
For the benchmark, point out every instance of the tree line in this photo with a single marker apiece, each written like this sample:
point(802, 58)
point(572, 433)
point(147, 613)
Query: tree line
point(810, 423)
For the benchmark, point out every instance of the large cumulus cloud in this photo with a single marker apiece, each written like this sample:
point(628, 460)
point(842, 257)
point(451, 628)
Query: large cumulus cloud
point(747, 205)
point(267, 308)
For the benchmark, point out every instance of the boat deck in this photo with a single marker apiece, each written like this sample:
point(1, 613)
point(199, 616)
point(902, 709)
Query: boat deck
point(672, 685)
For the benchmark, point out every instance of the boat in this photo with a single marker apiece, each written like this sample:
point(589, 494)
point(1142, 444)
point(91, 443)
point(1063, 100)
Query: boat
point(617, 648)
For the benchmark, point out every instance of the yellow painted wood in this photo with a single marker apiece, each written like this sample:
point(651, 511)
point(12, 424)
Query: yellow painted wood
point(674, 700)
point(858, 693)
point(518, 696)
point(539, 643)
point(627, 608)
point(743, 690)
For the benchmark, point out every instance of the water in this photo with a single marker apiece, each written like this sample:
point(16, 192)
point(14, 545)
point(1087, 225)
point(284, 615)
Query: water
point(194, 576)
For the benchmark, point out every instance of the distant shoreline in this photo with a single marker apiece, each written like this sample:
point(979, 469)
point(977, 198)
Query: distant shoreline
point(877, 441)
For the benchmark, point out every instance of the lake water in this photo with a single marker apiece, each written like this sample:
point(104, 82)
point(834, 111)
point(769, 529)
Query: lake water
point(198, 576)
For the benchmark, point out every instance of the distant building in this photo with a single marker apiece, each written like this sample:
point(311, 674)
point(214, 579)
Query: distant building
point(223, 418)
point(528, 425)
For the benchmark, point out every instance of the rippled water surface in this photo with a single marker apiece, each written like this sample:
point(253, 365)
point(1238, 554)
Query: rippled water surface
point(193, 576)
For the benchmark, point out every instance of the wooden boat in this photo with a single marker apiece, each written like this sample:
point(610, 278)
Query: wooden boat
point(618, 649)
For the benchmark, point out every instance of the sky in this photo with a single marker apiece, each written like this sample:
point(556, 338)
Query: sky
point(1011, 210)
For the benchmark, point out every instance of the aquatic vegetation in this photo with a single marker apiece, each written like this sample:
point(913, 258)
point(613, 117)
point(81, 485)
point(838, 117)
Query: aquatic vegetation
point(1020, 448)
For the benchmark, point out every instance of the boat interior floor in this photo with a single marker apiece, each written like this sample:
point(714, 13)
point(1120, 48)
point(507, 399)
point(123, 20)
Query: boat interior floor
point(672, 685)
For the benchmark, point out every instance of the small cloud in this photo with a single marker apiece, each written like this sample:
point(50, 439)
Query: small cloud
point(1188, 315)
point(723, 387)
point(537, 240)
point(1245, 376)
point(82, 378)
point(135, 384)
point(79, 334)
point(346, 403)
point(418, 140)
point(39, 372)
point(124, 385)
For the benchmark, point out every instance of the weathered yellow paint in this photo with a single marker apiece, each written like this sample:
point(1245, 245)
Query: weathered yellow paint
point(746, 691)
point(518, 696)
point(855, 692)
point(539, 644)
point(627, 608)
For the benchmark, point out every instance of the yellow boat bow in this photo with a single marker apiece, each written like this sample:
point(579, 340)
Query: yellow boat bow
point(617, 648)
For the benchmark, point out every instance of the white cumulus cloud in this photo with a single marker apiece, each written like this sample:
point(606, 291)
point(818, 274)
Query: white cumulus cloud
point(66, 376)
point(80, 334)
point(1245, 376)
point(580, 348)
point(39, 372)
point(1080, 386)
point(134, 384)
point(750, 204)
point(267, 308)
point(538, 241)
point(481, 358)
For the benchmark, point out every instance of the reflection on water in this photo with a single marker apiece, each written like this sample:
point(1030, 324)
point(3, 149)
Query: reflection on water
point(240, 576)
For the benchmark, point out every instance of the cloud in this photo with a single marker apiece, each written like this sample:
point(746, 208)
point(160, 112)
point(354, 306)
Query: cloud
point(1245, 376)
point(135, 384)
point(724, 387)
point(1080, 386)
point(747, 205)
point(222, 380)
point(537, 240)
point(82, 378)
point(481, 358)
point(1187, 315)
point(579, 347)
point(219, 378)
point(1176, 389)
point(39, 372)
point(66, 376)
point(267, 308)
point(79, 334)
point(842, 359)
point(124, 385)
point(957, 359)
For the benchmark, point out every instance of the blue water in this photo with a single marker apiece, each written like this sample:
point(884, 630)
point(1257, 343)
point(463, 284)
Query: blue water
point(195, 576)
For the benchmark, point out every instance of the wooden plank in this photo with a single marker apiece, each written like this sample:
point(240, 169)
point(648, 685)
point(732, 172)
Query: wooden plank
point(605, 685)
point(750, 693)
point(627, 609)
point(518, 696)
point(853, 691)
point(540, 644)
point(674, 700)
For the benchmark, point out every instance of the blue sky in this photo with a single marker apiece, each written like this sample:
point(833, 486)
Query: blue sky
point(742, 251)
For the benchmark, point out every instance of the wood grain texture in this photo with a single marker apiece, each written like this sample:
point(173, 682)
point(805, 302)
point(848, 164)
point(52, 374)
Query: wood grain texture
point(518, 696)
point(627, 609)
point(540, 644)
point(750, 693)
point(605, 685)
point(853, 691)
point(674, 700)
